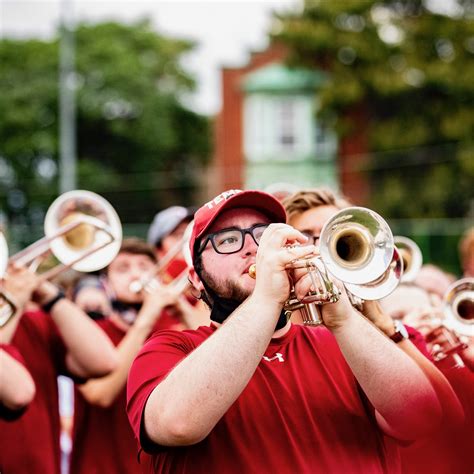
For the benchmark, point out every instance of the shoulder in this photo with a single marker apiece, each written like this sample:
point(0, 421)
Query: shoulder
point(186, 340)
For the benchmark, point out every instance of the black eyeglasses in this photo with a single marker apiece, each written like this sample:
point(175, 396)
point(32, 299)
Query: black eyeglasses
point(313, 239)
point(232, 240)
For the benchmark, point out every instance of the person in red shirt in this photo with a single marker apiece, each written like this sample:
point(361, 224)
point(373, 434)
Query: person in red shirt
point(254, 393)
point(103, 441)
point(57, 339)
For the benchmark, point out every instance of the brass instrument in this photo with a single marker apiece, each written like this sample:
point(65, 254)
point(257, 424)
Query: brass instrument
point(355, 246)
point(82, 231)
point(451, 336)
point(7, 305)
point(181, 283)
point(411, 256)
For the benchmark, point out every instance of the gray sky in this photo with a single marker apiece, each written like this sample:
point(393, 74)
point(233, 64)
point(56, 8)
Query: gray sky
point(226, 30)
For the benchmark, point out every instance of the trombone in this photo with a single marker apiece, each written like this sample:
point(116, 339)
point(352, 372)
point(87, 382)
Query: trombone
point(82, 232)
point(181, 283)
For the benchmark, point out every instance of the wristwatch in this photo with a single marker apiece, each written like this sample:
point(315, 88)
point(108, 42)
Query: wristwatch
point(400, 333)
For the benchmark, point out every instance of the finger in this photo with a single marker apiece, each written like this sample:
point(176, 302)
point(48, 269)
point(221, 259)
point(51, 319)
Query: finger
point(281, 234)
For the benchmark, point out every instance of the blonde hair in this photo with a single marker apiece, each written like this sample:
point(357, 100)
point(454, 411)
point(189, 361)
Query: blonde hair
point(306, 199)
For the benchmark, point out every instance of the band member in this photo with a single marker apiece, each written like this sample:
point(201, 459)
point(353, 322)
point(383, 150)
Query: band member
point(253, 392)
point(166, 235)
point(103, 441)
point(167, 230)
point(308, 211)
point(57, 339)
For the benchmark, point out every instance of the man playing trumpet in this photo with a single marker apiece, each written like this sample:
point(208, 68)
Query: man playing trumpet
point(253, 393)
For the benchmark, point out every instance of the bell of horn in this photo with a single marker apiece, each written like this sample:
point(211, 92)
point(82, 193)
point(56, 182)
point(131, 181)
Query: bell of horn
point(91, 223)
point(411, 256)
point(459, 307)
point(356, 245)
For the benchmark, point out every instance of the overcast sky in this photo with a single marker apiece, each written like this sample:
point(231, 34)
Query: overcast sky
point(226, 30)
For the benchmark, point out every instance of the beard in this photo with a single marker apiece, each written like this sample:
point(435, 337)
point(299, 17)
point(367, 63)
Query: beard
point(226, 290)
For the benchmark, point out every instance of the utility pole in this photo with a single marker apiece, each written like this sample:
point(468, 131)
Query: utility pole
point(67, 99)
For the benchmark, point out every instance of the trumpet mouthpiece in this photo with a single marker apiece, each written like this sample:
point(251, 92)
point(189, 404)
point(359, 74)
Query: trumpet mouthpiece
point(253, 271)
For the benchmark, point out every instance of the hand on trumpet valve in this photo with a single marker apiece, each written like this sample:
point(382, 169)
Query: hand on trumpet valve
point(279, 245)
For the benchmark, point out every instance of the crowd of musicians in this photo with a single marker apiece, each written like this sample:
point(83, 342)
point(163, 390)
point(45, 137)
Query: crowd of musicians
point(259, 333)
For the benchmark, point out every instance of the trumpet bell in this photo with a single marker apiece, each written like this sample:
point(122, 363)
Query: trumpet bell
point(382, 286)
point(459, 307)
point(94, 225)
point(411, 256)
point(356, 245)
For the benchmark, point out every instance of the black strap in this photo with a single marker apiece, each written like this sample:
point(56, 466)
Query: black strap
point(47, 307)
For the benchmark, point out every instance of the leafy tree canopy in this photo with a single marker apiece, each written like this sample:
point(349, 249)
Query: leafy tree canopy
point(135, 139)
point(412, 73)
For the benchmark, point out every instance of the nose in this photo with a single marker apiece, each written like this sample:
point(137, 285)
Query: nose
point(250, 247)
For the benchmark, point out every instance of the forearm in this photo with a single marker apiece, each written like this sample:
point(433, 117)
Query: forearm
point(450, 404)
point(104, 390)
point(17, 387)
point(185, 406)
point(88, 347)
point(397, 388)
point(193, 316)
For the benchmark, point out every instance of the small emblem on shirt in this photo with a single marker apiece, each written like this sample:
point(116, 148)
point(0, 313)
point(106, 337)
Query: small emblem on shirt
point(277, 356)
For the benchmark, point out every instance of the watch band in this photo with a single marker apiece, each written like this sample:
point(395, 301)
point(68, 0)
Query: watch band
point(47, 307)
point(400, 333)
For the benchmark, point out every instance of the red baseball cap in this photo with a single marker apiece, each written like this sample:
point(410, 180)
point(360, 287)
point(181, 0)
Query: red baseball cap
point(208, 213)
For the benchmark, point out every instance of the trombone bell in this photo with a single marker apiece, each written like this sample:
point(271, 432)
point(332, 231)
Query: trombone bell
point(84, 230)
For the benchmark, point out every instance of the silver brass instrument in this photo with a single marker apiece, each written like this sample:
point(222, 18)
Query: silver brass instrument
point(411, 256)
point(7, 305)
point(452, 336)
point(355, 246)
point(82, 231)
point(181, 283)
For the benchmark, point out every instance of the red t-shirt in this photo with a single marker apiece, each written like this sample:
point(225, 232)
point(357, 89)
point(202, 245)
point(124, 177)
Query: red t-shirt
point(451, 449)
point(103, 441)
point(31, 443)
point(302, 411)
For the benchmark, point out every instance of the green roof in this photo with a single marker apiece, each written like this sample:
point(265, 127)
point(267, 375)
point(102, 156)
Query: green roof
point(278, 78)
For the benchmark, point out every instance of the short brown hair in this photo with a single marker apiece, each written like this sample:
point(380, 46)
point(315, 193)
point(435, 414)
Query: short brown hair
point(306, 199)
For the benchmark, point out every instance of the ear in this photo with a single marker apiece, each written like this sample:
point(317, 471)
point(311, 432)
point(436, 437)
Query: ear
point(195, 280)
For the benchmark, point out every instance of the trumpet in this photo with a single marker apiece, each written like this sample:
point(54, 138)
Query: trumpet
point(82, 231)
point(181, 283)
point(411, 256)
point(355, 246)
point(451, 336)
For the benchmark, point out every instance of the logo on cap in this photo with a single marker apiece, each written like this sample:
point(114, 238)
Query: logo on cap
point(222, 197)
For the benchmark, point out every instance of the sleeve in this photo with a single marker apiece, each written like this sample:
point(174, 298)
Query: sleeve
point(155, 360)
point(418, 341)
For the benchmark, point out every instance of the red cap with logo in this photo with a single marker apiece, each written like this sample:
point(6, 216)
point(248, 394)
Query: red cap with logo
point(207, 214)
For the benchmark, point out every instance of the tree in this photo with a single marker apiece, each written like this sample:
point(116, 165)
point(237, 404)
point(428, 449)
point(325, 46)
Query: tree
point(136, 140)
point(410, 71)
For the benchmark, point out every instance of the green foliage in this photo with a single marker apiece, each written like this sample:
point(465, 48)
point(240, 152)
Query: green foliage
point(411, 72)
point(132, 130)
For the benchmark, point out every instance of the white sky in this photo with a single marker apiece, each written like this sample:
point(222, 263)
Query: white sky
point(226, 30)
